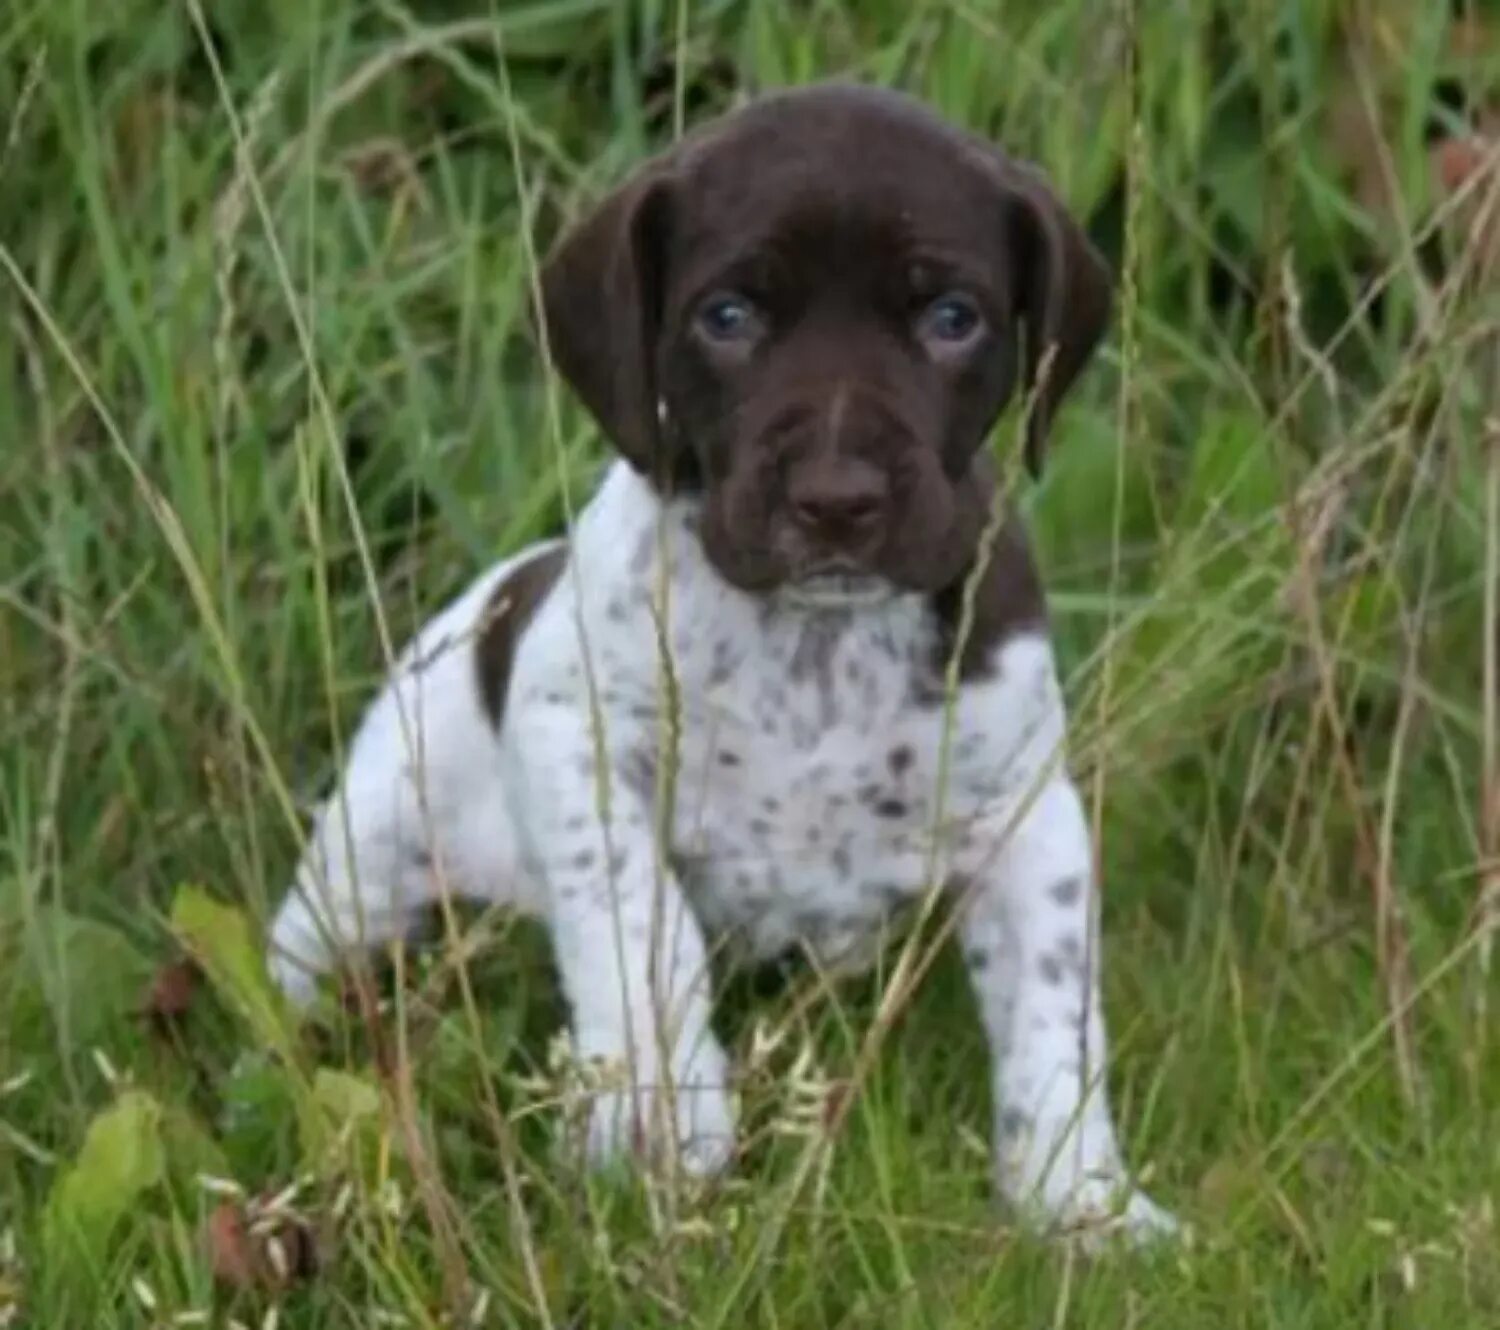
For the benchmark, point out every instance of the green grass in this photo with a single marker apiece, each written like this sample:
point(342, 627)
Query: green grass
point(262, 371)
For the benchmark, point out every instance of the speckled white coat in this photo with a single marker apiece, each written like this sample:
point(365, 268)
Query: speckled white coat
point(807, 809)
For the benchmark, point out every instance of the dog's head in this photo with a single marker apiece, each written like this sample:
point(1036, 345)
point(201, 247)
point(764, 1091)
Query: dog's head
point(811, 313)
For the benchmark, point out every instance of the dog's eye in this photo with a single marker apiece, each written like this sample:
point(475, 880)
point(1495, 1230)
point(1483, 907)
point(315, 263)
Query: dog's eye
point(728, 318)
point(952, 320)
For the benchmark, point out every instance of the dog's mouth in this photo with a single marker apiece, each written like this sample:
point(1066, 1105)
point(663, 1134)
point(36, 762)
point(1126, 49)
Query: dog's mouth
point(835, 587)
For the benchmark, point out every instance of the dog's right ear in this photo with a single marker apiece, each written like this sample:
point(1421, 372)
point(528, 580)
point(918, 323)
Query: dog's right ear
point(1064, 297)
point(600, 316)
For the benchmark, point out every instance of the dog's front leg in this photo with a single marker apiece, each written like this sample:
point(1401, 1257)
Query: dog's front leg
point(634, 968)
point(1027, 925)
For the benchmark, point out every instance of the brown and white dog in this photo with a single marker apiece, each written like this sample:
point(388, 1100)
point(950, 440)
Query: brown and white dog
point(798, 327)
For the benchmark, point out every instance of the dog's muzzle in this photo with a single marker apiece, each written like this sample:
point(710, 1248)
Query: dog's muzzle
point(837, 589)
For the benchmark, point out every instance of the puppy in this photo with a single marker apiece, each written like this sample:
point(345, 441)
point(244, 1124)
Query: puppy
point(720, 715)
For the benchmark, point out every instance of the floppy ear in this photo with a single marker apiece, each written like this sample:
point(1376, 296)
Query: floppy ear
point(1062, 294)
point(601, 294)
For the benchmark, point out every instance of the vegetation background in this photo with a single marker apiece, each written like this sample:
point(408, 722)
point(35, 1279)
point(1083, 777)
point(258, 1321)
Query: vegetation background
point(263, 271)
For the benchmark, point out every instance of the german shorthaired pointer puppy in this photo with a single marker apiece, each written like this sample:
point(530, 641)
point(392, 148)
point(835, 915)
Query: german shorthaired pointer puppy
point(791, 669)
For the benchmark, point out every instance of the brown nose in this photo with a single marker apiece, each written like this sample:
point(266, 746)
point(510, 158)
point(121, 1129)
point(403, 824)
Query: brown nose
point(838, 504)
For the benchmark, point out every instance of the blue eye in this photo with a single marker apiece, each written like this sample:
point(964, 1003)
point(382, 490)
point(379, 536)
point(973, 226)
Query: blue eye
point(728, 318)
point(952, 319)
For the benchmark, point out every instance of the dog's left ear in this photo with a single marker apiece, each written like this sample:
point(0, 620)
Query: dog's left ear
point(1062, 296)
point(600, 317)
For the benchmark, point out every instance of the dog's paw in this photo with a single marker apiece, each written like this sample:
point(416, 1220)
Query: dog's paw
point(1114, 1212)
point(689, 1124)
point(1098, 1210)
point(1143, 1221)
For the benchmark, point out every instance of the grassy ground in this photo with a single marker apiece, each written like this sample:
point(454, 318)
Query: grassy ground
point(260, 370)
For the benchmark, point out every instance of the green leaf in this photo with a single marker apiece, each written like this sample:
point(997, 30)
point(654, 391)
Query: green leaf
point(259, 1115)
point(218, 937)
point(346, 1116)
point(345, 1097)
point(191, 1149)
point(68, 982)
point(121, 1159)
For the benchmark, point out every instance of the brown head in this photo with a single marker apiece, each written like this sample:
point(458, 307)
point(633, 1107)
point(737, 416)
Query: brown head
point(811, 313)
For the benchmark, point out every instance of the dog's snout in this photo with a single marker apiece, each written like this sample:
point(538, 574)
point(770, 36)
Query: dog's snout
point(838, 503)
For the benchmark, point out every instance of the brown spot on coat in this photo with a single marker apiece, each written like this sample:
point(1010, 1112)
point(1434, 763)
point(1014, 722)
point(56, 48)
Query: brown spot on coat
point(638, 772)
point(1066, 890)
point(510, 609)
point(1012, 1124)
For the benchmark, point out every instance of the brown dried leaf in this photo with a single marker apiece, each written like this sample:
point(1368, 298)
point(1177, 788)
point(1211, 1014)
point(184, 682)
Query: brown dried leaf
point(1468, 163)
point(252, 1247)
point(231, 1254)
point(171, 991)
point(1456, 160)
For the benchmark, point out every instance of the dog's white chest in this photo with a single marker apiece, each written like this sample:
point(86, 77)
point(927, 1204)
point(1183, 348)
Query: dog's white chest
point(808, 811)
point(802, 795)
point(816, 783)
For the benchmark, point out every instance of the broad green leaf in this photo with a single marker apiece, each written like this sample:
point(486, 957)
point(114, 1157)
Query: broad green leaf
point(219, 938)
point(190, 1147)
point(345, 1115)
point(259, 1117)
point(345, 1097)
point(121, 1159)
point(69, 982)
